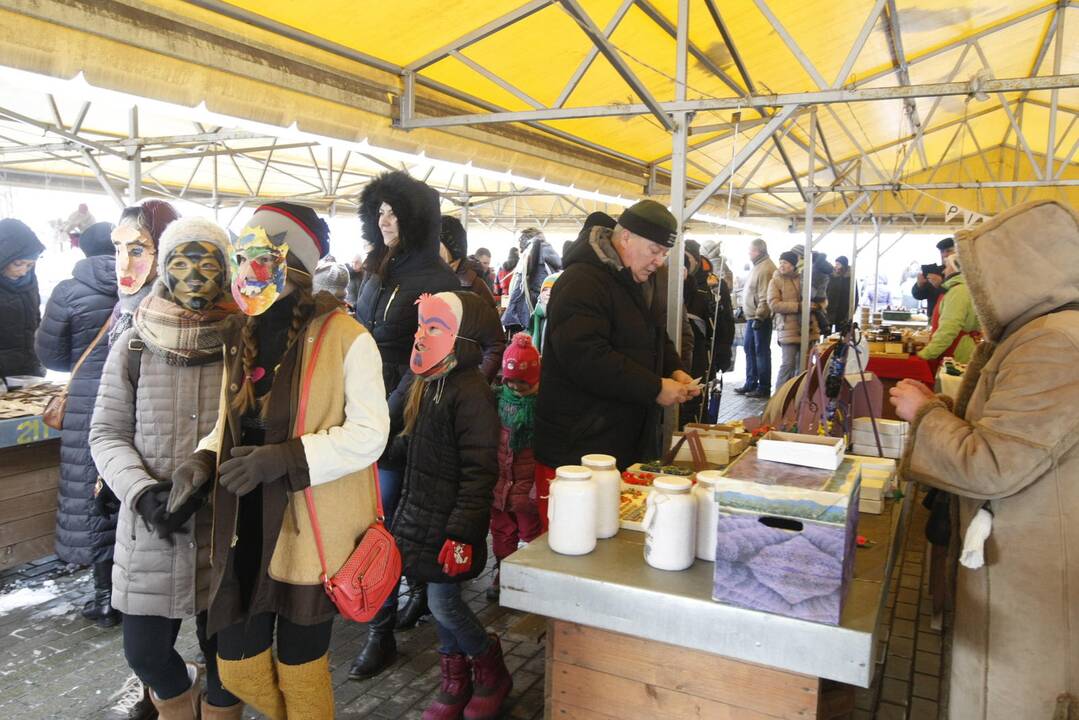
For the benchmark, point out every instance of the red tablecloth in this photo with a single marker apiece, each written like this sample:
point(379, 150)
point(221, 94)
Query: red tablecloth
point(912, 367)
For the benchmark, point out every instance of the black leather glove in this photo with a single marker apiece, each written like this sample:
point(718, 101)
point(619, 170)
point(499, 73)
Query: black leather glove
point(252, 465)
point(167, 523)
point(105, 501)
point(191, 475)
point(152, 500)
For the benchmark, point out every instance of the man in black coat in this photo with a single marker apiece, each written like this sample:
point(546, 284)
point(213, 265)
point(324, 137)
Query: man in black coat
point(839, 311)
point(608, 365)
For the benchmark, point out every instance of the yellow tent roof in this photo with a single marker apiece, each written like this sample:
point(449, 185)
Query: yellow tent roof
point(334, 68)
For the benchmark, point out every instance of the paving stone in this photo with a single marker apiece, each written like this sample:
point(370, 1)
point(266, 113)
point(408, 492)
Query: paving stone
point(897, 667)
point(930, 642)
point(908, 595)
point(902, 647)
point(906, 611)
point(888, 711)
point(926, 686)
point(894, 691)
point(923, 709)
point(910, 581)
point(903, 628)
point(928, 663)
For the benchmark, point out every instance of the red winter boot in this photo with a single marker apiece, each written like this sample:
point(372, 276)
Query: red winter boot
point(455, 691)
point(493, 683)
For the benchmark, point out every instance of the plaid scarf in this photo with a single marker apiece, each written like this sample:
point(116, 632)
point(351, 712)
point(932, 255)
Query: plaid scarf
point(181, 336)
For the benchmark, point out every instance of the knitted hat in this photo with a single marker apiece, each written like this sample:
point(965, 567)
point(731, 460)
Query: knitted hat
point(521, 361)
point(842, 260)
point(454, 237)
point(331, 277)
point(694, 248)
point(192, 229)
point(946, 244)
point(651, 221)
point(548, 282)
point(97, 240)
point(307, 235)
point(789, 256)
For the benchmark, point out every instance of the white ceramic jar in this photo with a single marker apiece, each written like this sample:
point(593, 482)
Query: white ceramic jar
point(608, 493)
point(707, 513)
point(670, 524)
point(571, 511)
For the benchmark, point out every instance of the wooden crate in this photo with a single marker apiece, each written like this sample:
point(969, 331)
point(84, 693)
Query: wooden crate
point(595, 673)
point(28, 479)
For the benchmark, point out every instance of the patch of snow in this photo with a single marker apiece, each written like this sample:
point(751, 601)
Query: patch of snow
point(26, 597)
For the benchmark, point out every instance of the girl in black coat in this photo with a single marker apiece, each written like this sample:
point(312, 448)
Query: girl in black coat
point(76, 312)
point(19, 298)
point(402, 221)
point(451, 442)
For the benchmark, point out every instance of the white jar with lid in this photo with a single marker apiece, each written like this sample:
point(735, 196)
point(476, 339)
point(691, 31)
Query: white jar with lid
point(670, 524)
point(707, 513)
point(608, 493)
point(571, 511)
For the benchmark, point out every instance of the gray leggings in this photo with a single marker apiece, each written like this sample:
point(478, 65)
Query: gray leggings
point(791, 363)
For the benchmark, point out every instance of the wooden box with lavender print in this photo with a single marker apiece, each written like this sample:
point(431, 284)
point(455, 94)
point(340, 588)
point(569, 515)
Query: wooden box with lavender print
point(785, 537)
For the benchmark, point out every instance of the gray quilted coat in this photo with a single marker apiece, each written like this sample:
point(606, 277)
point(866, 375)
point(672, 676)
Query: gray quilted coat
point(137, 440)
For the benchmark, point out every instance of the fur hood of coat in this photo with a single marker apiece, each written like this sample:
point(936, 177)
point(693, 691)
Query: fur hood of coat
point(414, 203)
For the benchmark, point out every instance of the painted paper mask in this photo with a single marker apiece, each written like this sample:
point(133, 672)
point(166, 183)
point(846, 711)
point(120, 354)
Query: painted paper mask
point(195, 274)
point(258, 269)
point(136, 257)
point(435, 335)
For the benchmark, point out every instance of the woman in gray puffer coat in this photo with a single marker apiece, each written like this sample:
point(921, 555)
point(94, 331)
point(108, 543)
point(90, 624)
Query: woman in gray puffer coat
point(159, 396)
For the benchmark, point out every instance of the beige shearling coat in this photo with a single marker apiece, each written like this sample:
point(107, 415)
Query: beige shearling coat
point(1013, 440)
point(785, 300)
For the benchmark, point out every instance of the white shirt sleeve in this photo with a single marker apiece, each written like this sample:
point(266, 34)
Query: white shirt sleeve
point(360, 439)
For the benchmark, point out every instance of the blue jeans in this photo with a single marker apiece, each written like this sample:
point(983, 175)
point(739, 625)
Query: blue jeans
point(459, 630)
point(758, 355)
point(389, 484)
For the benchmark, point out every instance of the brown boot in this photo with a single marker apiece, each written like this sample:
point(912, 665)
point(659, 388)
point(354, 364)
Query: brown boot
point(455, 691)
point(493, 683)
point(213, 712)
point(184, 706)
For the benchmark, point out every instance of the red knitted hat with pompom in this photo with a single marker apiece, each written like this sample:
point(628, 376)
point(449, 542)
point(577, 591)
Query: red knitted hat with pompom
point(521, 361)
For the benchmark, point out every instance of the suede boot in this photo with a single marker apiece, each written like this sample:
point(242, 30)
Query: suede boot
point(254, 681)
point(380, 650)
point(99, 607)
point(415, 606)
point(213, 712)
point(455, 691)
point(492, 683)
point(184, 706)
point(307, 689)
point(495, 591)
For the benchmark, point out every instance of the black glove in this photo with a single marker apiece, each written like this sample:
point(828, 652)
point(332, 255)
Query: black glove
point(168, 523)
point(106, 503)
point(252, 465)
point(191, 475)
point(152, 500)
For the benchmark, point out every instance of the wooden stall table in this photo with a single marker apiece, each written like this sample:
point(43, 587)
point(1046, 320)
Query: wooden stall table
point(29, 474)
point(627, 641)
point(891, 370)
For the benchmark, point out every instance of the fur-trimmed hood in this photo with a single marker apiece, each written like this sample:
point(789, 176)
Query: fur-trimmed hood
point(1022, 237)
point(416, 206)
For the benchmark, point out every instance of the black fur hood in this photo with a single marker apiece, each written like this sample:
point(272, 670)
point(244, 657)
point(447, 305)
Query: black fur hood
point(416, 206)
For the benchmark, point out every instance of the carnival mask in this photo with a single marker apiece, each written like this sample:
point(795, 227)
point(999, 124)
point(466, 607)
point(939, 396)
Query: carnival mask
point(435, 335)
point(258, 269)
point(136, 257)
point(195, 274)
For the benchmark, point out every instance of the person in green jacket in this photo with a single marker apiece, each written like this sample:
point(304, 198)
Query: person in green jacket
point(958, 328)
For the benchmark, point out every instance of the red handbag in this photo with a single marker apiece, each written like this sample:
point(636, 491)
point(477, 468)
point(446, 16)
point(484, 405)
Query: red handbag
point(371, 572)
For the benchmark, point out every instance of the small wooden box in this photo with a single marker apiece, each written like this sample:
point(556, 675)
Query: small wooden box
point(785, 537)
point(815, 451)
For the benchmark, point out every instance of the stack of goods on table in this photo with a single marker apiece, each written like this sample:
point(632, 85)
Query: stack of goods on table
point(28, 401)
point(786, 533)
point(892, 433)
point(879, 481)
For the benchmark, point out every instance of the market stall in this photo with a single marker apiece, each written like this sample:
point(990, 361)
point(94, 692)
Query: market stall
point(636, 628)
point(29, 472)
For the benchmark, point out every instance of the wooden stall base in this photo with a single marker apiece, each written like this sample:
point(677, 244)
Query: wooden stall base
point(28, 478)
point(594, 673)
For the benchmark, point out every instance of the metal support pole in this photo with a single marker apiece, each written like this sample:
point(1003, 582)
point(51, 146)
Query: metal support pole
point(876, 275)
point(678, 203)
point(853, 300)
point(807, 261)
point(134, 174)
point(465, 207)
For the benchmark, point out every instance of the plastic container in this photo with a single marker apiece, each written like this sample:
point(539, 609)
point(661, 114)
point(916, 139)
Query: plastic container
point(707, 513)
point(571, 511)
point(670, 524)
point(608, 493)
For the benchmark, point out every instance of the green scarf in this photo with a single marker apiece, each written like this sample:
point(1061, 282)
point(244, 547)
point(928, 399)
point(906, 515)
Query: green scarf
point(519, 415)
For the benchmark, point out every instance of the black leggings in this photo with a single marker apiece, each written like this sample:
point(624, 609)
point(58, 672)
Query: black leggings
point(296, 644)
point(149, 646)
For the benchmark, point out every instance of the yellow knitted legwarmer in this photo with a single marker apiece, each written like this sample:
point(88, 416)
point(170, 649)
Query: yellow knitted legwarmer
point(307, 689)
point(254, 680)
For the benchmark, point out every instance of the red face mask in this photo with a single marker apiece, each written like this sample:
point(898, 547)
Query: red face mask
point(436, 333)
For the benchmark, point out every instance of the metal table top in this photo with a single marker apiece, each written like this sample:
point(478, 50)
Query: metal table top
point(612, 588)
